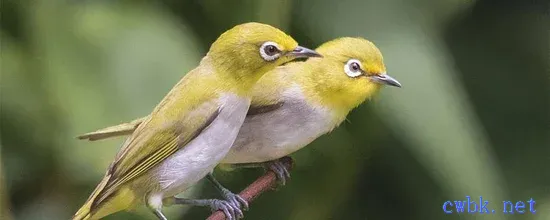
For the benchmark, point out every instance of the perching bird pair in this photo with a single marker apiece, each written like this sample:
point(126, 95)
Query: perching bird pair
point(239, 106)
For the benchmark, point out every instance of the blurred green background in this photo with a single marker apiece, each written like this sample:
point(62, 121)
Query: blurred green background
point(472, 118)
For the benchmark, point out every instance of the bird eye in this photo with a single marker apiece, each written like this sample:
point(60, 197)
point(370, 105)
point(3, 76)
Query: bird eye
point(270, 51)
point(353, 68)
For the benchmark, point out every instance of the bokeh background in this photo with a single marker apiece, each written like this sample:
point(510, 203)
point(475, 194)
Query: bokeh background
point(472, 118)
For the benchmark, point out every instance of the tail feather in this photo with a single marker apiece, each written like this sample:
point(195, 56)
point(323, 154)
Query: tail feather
point(85, 212)
point(122, 199)
point(113, 131)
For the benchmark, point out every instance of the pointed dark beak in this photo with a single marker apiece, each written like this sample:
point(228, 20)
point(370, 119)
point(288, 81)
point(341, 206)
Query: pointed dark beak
point(385, 80)
point(302, 52)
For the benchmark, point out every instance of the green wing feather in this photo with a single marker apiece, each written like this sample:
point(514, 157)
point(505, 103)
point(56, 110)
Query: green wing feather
point(151, 143)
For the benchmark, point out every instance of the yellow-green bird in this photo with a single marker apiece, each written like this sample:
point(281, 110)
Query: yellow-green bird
point(294, 104)
point(193, 127)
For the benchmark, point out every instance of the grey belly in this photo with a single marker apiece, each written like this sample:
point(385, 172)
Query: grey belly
point(275, 134)
point(193, 162)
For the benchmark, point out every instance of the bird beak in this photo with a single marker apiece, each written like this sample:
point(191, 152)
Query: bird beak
point(386, 80)
point(302, 52)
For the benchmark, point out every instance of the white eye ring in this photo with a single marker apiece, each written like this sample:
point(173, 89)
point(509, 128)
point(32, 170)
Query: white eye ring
point(350, 70)
point(270, 51)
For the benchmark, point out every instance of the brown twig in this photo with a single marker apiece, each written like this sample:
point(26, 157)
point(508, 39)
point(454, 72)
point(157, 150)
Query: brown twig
point(263, 184)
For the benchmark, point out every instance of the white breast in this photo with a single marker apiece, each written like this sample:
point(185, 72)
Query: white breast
point(275, 134)
point(202, 154)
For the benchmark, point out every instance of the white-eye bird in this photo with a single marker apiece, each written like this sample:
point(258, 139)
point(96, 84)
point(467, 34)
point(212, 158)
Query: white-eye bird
point(295, 104)
point(191, 130)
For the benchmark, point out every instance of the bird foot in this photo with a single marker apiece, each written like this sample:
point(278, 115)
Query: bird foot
point(231, 211)
point(279, 169)
point(228, 208)
point(235, 199)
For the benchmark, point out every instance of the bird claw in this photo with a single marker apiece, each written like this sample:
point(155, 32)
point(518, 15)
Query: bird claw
point(236, 200)
point(231, 212)
point(280, 171)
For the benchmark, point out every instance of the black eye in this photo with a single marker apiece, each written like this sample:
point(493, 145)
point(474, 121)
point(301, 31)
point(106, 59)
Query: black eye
point(354, 66)
point(271, 50)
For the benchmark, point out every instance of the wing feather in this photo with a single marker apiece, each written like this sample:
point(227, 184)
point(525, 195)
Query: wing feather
point(150, 144)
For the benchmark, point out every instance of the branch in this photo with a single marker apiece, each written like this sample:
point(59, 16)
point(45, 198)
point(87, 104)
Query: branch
point(263, 184)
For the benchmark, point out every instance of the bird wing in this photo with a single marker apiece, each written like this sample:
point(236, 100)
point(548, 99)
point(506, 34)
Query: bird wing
point(155, 139)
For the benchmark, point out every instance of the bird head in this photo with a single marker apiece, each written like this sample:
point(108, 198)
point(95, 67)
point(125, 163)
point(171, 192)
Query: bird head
point(351, 71)
point(251, 49)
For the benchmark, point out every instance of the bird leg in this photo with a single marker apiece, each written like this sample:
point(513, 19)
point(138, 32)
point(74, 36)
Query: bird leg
point(274, 165)
point(159, 214)
point(231, 197)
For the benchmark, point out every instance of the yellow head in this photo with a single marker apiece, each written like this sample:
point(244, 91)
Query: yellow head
point(249, 50)
point(351, 71)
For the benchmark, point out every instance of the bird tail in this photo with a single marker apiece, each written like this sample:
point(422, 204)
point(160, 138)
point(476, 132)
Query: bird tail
point(85, 212)
point(113, 131)
point(120, 200)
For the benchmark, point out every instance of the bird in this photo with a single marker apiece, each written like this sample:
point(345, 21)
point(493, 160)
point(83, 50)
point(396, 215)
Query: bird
point(296, 103)
point(193, 127)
